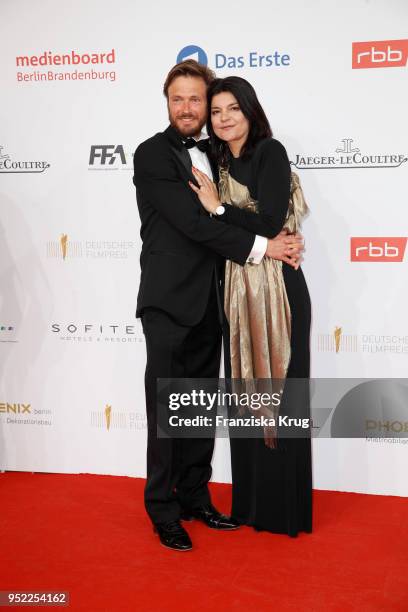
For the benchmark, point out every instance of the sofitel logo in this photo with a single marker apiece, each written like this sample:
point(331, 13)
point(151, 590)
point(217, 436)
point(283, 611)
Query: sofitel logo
point(10, 166)
point(89, 332)
point(347, 157)
point(380, 54)
point(109, 157)
point(377, 249)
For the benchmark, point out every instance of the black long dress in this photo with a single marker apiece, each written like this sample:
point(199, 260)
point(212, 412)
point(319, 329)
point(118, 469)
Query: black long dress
point(272, 488)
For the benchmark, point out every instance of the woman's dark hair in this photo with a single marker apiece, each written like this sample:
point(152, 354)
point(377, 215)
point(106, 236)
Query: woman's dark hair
point(249, 104)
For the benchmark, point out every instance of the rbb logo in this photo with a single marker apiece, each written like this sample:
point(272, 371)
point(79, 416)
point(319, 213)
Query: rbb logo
point(380, 54)
point(377, 249)
point(102, 153)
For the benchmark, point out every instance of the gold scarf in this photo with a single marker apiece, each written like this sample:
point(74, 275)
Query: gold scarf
point(257, 307)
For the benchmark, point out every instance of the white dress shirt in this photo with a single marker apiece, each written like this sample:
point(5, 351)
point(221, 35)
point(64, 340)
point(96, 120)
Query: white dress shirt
point(200, 160)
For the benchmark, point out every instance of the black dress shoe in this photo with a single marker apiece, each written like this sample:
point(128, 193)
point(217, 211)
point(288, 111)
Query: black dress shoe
point(173, 535)
point(210, 517)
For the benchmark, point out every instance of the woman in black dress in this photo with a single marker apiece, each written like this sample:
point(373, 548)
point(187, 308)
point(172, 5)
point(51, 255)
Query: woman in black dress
point(267, 305)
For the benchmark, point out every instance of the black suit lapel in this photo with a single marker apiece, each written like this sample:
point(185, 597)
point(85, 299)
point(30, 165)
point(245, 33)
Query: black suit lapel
point(180, 152)
point(184, 162)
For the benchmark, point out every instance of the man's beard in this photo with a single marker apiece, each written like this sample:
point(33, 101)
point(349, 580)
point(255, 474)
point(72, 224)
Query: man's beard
point(186, 131)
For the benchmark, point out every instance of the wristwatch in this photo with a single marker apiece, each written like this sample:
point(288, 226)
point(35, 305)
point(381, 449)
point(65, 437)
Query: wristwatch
point(220, 210)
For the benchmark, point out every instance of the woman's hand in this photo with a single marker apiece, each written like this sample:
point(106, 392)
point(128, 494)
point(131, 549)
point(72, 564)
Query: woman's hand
point(207, 191)
point(287, 248)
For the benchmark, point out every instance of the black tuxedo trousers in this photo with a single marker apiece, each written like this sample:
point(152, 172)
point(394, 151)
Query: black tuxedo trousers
point(178, 470)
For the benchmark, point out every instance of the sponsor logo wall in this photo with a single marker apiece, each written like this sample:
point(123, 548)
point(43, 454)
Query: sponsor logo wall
point(77, 101)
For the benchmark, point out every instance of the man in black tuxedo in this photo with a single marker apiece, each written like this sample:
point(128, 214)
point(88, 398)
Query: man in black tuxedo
point(181, 267)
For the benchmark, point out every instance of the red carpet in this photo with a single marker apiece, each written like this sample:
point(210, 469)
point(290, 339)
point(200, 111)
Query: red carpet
point(89, 535)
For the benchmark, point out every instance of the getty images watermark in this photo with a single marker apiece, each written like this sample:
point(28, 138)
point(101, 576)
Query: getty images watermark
point(373, 409)
point(259, 408)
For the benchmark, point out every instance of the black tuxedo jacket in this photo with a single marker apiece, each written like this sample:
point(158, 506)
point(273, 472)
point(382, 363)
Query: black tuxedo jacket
point(182, 244)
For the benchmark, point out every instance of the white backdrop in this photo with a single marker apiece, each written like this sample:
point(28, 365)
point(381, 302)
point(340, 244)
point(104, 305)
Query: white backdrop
point(71, 352)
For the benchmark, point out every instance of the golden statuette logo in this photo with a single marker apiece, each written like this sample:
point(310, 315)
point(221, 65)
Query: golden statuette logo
point(63, 243)
point(108, 412)
point(337, 337)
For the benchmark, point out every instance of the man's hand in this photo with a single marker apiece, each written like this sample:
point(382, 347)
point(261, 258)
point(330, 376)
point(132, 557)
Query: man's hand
point(286, 247)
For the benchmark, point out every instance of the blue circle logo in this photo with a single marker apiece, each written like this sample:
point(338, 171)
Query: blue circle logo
point(193, 52)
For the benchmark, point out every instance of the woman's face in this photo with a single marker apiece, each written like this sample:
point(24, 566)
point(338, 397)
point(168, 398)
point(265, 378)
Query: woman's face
point(228, 121)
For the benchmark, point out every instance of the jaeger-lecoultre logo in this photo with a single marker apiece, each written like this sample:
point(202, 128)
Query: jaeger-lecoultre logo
point(348, 157)
point(10, 166)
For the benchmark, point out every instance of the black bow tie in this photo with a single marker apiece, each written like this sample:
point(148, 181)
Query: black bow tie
point(202, 145)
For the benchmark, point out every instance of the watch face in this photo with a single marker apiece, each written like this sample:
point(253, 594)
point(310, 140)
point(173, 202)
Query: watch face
point(220, 210)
